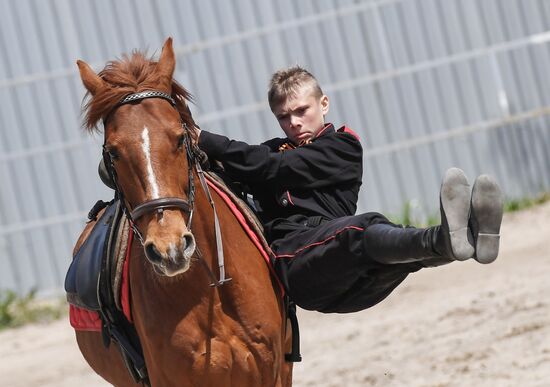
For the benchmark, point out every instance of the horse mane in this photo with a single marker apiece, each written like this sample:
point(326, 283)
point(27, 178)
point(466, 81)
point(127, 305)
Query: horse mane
point(130, 74)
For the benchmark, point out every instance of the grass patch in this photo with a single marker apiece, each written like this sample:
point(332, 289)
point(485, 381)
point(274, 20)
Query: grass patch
point(18, 310)
point(513, 205)
point(412, 215)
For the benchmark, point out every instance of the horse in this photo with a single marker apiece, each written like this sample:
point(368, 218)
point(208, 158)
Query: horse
point(192, 334)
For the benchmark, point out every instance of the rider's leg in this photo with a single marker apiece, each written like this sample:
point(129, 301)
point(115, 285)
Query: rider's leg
point(391, 244)
point(466, 222)
point(351, 263)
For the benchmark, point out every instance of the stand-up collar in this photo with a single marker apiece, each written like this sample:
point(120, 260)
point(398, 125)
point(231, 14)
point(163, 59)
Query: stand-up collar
point(328, 128)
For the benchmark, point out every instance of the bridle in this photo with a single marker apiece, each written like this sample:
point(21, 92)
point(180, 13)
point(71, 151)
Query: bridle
point(160, 204)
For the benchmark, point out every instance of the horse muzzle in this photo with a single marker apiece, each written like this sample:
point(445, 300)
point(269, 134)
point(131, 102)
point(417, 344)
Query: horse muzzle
point(171, 258)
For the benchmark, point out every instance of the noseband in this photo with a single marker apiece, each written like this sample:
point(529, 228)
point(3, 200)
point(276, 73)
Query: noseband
point(158, 204)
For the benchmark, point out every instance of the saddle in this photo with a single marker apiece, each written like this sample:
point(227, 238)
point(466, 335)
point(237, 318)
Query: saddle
point(106, 245)
point(94, 283)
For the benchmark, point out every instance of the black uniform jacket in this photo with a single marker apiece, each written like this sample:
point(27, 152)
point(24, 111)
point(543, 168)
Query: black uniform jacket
point(295, 188)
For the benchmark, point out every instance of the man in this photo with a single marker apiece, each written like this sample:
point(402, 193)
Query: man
point(306, 189)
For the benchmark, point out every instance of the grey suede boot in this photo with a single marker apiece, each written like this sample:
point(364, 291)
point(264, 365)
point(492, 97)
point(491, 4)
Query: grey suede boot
point(487, 206)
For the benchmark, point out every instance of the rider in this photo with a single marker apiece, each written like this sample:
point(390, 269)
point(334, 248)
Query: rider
point(306, 187)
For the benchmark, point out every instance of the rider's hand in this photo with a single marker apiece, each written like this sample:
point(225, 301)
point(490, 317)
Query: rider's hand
point(195, 134)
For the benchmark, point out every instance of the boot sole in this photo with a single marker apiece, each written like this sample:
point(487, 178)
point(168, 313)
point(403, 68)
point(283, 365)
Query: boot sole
point(487, 207)
point(455, 202)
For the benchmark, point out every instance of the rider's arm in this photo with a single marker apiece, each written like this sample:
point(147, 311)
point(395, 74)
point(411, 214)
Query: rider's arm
point(326, 161)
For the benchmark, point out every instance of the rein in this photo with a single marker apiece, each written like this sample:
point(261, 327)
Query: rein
point(160, 204)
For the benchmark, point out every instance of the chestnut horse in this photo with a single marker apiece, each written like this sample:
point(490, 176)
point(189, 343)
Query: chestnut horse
point(192, 334)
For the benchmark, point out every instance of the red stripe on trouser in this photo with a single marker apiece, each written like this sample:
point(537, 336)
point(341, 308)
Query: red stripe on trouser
point(320, 242)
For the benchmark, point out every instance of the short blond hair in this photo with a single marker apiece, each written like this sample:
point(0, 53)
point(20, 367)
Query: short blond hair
point(287, 82)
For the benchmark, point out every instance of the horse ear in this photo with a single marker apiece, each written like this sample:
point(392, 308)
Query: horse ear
point(92, 82)
point(167, 63)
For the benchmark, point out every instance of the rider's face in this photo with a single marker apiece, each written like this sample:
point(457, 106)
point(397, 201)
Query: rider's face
point(302, 116)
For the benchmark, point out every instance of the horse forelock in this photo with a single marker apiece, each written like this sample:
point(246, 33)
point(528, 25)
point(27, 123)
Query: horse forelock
point(130, 74)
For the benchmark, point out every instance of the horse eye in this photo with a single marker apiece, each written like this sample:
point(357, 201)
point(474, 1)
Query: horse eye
point(113, 154)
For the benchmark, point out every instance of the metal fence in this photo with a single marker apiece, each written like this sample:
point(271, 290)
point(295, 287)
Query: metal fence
point(427, 84)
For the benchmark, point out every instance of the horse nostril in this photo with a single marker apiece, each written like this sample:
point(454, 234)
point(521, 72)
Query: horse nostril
point(152, 253)
point(188, 243)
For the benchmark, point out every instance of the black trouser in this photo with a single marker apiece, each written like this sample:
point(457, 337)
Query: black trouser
point(351, 263)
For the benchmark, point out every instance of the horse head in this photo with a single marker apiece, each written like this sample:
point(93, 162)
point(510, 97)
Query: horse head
point(147, 138)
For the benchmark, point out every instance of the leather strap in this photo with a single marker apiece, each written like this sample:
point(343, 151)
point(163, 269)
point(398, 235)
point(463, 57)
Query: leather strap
point(146, 94)
point(219, 242)
point(159, 205)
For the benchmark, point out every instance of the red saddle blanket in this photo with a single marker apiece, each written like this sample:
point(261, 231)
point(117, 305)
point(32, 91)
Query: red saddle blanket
point(86, 320)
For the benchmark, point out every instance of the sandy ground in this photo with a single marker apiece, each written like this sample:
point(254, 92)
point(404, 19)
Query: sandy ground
point(464, 324)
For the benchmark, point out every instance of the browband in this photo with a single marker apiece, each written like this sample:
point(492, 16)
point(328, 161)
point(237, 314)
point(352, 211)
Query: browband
point(146, 94)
